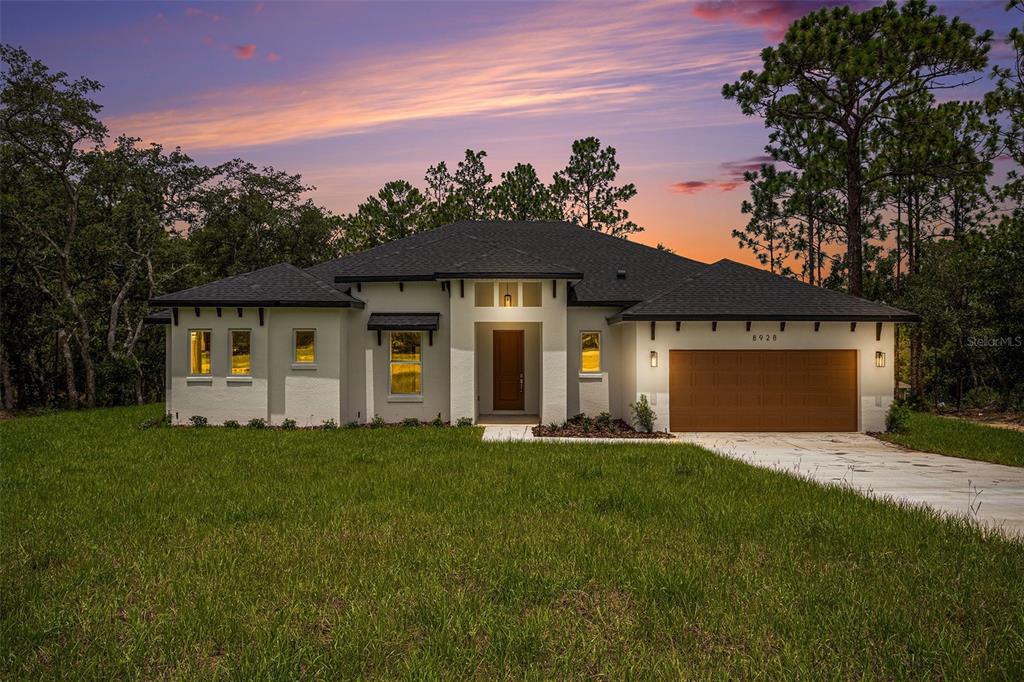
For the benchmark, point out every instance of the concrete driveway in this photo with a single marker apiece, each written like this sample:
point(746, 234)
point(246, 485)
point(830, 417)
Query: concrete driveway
point(992, 494)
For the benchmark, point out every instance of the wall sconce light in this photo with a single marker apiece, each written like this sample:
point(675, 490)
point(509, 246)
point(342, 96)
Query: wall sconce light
point(508, 300)
point(654, 358)
point(879, 359)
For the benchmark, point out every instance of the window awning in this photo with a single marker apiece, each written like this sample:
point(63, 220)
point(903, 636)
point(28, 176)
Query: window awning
point(403, 321)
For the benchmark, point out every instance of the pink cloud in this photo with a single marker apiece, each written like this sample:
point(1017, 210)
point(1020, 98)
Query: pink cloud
point(732, 176)
point(774, 16)
point(273, 57)
point(247, 51)
point(196, 12)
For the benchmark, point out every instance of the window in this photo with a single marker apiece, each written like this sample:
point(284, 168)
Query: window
point(508, 294)
point(241, 352)
point(305, 346)
point(406, 363)
point(531, 294)
point(199, 352)
point(590, 352)
point(484, 294)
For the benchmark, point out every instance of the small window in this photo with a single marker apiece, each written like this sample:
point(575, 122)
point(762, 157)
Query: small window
point(531, 294)
point(590, 352)
point(406, 363)
point(199, 352)
point(508, 294)
point(241, 352)
point(484, 295)
point(305, 346)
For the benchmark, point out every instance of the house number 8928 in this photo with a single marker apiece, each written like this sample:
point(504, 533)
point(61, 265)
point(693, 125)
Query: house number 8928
point(767, 338)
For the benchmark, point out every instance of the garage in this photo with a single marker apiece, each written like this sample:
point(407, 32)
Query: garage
point(763, 390)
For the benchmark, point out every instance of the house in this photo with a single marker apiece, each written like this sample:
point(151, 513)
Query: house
point(540, 320)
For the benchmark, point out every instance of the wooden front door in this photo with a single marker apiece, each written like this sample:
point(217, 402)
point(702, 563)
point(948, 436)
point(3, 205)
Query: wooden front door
point(508, 369)
point(763, 390)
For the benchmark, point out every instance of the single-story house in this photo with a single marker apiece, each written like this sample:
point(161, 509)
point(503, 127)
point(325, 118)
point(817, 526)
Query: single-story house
point(541, 320)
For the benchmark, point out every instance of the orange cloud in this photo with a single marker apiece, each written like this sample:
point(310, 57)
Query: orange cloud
point(564, 59)
point(247, 51)
point(273, 57)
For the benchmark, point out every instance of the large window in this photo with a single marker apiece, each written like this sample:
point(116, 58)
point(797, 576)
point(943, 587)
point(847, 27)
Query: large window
point(483, 294)
point(305, 346)
point(406, 363)
point(590, 352)
point(199, 352)
point(241, 352)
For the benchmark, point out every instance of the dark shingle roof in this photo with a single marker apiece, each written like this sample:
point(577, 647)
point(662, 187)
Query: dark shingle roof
point(728, 290)
point(158, 317)
point(404, 321)
point(278, 285)
point(508, 248)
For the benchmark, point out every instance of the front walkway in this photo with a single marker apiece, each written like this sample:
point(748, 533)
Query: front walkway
point(992, 494)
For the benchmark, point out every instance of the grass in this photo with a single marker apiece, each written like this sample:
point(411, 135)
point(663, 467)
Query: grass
point(425, 553)
point(961, 438)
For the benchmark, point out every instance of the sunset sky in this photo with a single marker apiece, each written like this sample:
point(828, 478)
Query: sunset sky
point(352, 95)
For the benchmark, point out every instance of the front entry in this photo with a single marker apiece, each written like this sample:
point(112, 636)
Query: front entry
point(508, 370)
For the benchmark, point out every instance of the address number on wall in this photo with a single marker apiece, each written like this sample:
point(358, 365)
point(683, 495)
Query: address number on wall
point(765, 338)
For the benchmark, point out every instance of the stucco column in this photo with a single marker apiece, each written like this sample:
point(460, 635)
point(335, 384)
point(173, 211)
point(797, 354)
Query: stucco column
point(554, 380)
point(463, 359)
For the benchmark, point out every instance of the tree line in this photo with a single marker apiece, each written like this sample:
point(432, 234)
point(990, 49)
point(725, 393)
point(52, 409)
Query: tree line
point(91, 228)
point(882, 184)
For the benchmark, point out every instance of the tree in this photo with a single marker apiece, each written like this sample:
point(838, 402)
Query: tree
point(396, 211)
point(847, 72)
point(586, 191)
point(766, 232)
point(522, 196)
point(472, 187)
point(251, 218)
point(49, 126)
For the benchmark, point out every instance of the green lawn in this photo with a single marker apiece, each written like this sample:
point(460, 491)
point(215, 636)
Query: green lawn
point(961, 438)
point(423, 553)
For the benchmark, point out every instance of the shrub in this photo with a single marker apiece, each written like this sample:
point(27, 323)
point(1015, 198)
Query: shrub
point(377, 422)
point(329, 425)
point(1016, 401)
point(586, 423)
point(983, 398)
point(198, 420)
point(555, 426)
point(604, 420)
point(643, 414)
point(352, 424)
point(411, 421)
point(231, 424)
point(464, 421)
point(288, 424)
point(165, 420)
point(897, 419)
point(257, 423)
point(437, 421)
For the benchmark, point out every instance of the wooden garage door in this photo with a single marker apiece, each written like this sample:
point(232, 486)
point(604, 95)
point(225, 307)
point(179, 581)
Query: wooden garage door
point(763, 390)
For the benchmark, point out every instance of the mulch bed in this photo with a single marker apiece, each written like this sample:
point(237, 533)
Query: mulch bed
point(581, 427)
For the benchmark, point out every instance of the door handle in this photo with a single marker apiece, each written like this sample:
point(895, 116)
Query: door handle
point(520, 383)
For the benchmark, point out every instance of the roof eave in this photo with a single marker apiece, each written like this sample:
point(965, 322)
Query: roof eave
point(232, 303)
point(762, 317)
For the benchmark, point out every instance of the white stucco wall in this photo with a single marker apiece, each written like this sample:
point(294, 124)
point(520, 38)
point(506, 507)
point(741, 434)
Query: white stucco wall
point(593, 394)
point(219, 396)
point(368, 360)
point(550, 315)
point(875, 384)
point(309, 395)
